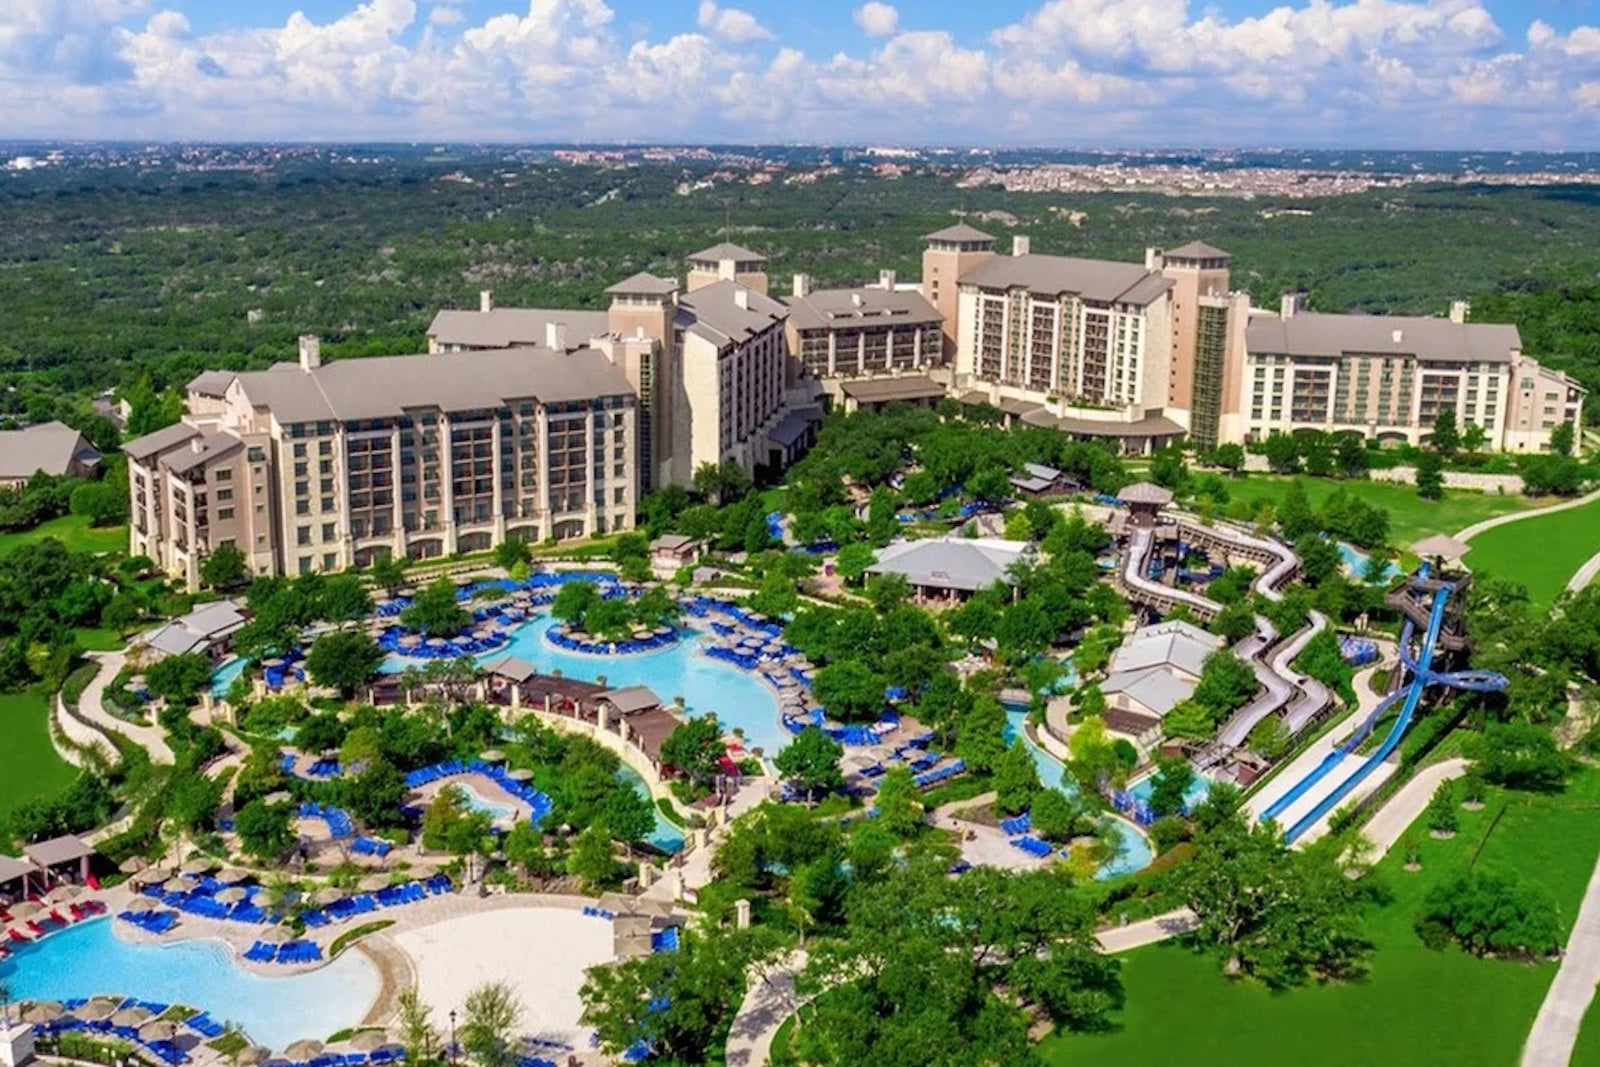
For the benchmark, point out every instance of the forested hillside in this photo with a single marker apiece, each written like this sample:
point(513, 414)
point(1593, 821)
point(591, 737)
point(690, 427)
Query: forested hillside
point(109, 274)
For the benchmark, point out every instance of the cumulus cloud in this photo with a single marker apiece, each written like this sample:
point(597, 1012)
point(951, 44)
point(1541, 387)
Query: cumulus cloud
point(1067, 71)
point(731, 24)
point(877, 19)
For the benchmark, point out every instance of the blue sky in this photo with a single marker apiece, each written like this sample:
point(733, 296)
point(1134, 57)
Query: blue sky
point(1371, 73)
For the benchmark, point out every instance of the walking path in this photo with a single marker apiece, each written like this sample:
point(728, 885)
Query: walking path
point(1148, 931)
point(1402, 809)
point(767, 1003)
point(92, 707)
point(1555, 1028)
point(1585, 574)
point(1517, 516)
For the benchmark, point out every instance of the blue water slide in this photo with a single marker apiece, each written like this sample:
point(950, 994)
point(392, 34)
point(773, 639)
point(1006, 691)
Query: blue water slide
point(1419, 682)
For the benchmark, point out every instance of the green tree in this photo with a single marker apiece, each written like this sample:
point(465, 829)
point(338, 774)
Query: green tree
point(179, 679)
point(344, 660)
point(590, 860)
point(101, 503)
point(1490, 912)
point(1283, 453)
point(628, 814)
point(447, 808)
point(695, 748)
point(436, 612)
point(811, 762)
point(1350, 456)
point(1561, 439)
point(266, 831)
point(1446, 437)
point(1441, 813)
point(881, 523)
point(1522, 755)
point(853, 560)
point(1016, 780)
point(1295, 514)
point(489, 1024)
point(1054, 817)
point(1171, 786)
point(512, 553)
point(225, 568)
point(1430, 476)
point(980, 733)
point(344, 599)
point(414, 1025)
point(387, 573)
point(899, 809)
point(374, 794)
point(1230, 457)
point(850, 690)
point(1473, 437)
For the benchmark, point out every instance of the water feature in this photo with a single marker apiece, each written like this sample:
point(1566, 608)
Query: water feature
point(478, 802)
point(222, 679)
point(1135, 852)
point(88, 959)
point(1357, 561)
point(1192, 797)
point(666, 836)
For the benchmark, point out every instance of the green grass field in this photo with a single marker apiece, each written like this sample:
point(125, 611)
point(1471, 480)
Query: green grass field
point(1542, 553)
point(29, 766)
point(72, 530)
point(1418, 1006)
point(1410, 517)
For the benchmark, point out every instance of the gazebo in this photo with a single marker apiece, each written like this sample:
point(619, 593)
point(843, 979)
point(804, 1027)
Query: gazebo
point(1145, 501)
point(62, 852)
point(1441, 547)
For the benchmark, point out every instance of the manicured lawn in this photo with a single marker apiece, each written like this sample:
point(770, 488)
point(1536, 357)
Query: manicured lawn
point(1542, 553)
point(98, 639)
point(1418, 1006)
point(72, 530)
point(1586, 1052)
point(29, 766)
point(1410, 517)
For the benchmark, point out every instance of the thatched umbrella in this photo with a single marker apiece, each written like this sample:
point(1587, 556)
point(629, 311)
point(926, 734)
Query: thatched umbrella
point(267, 898)
point(97, 1010)
point(198, 865)
point(160, 1030)
point(26, 910)
point(254, 1055)
point(492, 755)
point(275, 935)
point(369, 1040)
point(45, 1011)
point(304, 1050)
point(133, 865)
point(148, 876)
point(134, 1016)
point(231, 895)
point(175, 885)
point(61, 894)
point(374, 882)
point(326, 895)
point(233, 876)
point(661, 909)
point(616, 902)
point(521, 774)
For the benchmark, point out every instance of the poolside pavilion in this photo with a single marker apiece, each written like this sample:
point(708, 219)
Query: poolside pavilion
point(16, 877)
point(56, 858)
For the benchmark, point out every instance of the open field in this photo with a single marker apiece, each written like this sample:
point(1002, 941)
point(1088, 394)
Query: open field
point(72, 530)
point(1418, 1006)
point(1542, 553)
point(1411, 518)
point(29, 766)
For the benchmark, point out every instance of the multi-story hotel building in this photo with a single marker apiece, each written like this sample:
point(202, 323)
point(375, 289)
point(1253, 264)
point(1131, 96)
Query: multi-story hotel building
point(1390, 376)
point(310, 467)
point(866, 345)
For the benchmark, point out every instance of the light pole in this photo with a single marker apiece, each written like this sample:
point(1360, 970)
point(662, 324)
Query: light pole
point(452, 1037)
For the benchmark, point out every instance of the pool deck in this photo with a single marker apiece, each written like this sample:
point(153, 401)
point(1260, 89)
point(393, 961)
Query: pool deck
point(486, 788)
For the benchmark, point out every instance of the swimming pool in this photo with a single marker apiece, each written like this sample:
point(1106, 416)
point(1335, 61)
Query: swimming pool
point(1356, 561)
point(222, 679)
point(740, 700)
point(1192, 797)
point(478, 802)
point(665, 836)
point(88, 959)
point(1135, 852)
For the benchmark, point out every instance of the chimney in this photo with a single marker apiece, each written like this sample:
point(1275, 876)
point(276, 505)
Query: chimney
point(485, 300)
point(1459, 310)
point(886, 280)
point(856, 299)
point(1397, 336)
point(555, 336)
point(1289, 305)
point(197, 445)
point(1152, 259)
point(1019, 245)
point(802, 285)
point(310, 352)
point(741, 297)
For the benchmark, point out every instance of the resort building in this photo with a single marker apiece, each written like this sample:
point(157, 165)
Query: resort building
point(952, 568)
point(310, 467)
point(1389, 376)
point(51, 447)
point(1155, 670)
point(848, 338)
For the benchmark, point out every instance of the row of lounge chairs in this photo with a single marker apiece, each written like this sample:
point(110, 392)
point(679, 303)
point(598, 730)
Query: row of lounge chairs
point(599, 912)
point(664, 940)
point(1033, 846)
point(365, 903)
point(340, 825)
point(288, 952)
point(560, 638)
point(940, 774)
point(156, 922)
point(1019, 824)
point(165, 1051)
point(371, 846)
point(539, 805)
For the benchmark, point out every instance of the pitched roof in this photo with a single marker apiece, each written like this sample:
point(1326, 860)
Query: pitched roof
point(1311, 334)
point(959, 232)
point(631, 698)
point(211, 382)
point(718, 252)
point(968, 564)
point(50, 447)
point(1198, 250)
point(645, 282)
point(1100, 280)
point(58, 850)
point(160, 440)
point(1442, 546)
point(866, 306)
point(197, 630)
point(12, 868)
point(1145, 493)
point(1166, 644)
point(510, 668)
point(386, 386)
point(713, 312)
point(510, 327)
point(1155, 688)
point(180, 460)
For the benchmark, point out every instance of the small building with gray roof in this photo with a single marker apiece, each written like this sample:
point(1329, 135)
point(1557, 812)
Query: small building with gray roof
point(53, 448)
point(950, 568)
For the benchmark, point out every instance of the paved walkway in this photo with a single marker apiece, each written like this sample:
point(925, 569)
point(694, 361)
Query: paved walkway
point(1555, 1028)
point(1585, 573)
point(1148, 931)
point(1517, 516)
point(92, 707)
point(1402, 809)
point(767, 1003)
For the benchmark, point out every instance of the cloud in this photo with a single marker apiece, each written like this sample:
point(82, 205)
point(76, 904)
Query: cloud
point(1369, 72)
point(731, 24)
point(877, 19)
